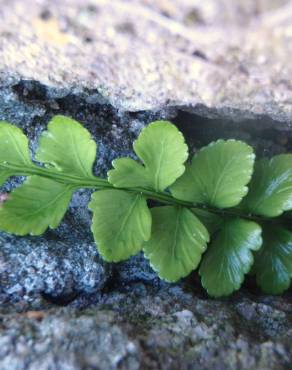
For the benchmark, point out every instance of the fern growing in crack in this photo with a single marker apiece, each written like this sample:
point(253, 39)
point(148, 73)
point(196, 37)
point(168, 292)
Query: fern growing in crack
point(223, 212)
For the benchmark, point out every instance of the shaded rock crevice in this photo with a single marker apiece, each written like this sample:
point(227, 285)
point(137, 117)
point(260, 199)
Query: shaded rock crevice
point(30, 105)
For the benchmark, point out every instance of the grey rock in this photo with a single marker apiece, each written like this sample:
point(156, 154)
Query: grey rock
point(165, 329)
point(64, 340)
point(34, 270)
point(203, 56)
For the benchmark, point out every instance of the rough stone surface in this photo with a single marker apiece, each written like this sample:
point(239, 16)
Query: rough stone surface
point(33, 270)
point(143, 328)
point(115, 66)
point(219, 57)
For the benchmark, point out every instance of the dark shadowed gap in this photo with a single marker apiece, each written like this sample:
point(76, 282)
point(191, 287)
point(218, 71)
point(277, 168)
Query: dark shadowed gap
point(268, 137)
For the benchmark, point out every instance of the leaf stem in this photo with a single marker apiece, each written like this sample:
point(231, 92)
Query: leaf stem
point(94, 182)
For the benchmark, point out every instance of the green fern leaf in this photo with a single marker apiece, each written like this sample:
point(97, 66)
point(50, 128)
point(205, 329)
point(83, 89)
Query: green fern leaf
point(36, 205)
point(162, 149)
point(229, 257)
point(217, 176)
point(273, 262)
point(68, 146)
point(121, 223)
point(270, 191)
point(13, 151)
point(212, 221)
point(177, 242)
